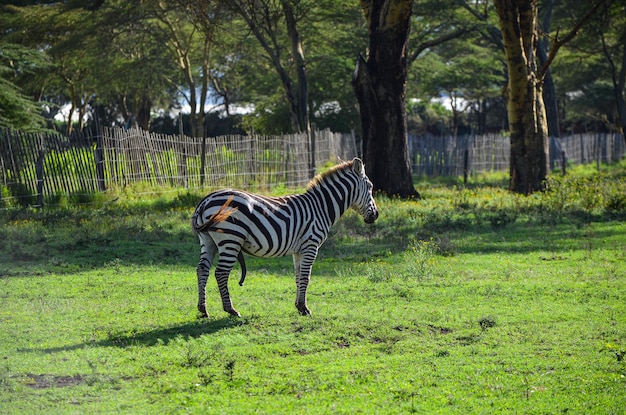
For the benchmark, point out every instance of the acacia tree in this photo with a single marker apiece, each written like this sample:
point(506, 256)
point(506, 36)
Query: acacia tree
point(518, 22)
point(190, 50)
point(609, 29)
point(380, 83)
point(54, 29)
point(264, 18)
point(527, 119)
point(549, 93)
point(17, 110)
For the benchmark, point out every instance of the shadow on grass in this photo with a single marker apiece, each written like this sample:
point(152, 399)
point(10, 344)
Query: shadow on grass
point(347, 244)
point(159, 336)
point(191, 330)
point(65, 241)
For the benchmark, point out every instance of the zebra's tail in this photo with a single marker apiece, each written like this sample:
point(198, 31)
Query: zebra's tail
point(242, 263)
point(221, 215)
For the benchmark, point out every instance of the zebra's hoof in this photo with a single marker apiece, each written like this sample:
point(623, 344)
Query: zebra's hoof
point(233, 312)
point(304, 310)
point(202, 310)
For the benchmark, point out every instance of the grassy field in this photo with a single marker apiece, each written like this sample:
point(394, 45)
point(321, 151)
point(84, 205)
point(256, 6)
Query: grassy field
point(472, 300)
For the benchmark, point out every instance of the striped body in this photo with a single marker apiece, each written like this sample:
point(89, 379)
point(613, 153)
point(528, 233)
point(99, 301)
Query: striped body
point(229, 222)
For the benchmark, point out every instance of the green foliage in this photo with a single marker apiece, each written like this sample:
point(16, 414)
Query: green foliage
point(588, 195)
point(16, 195)
point(17, 110)
point(587, 73)
point(121, 59)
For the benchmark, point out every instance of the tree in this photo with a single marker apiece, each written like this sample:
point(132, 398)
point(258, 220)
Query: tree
point(97, 55)
point(518, 22)
point(18, 111)
point(467, 73)
point(456, 51)
point(190, 50)
point(614, 48)
point(263, 17)
point(380, 85)
point(129, 65)
point(340, 34)
point(331, 33)
point(527, 120)
point(549, 93)
point(52, 28)
point(592, 72)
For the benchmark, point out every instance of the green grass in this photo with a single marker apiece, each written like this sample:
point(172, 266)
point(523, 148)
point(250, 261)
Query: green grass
point(472, 300)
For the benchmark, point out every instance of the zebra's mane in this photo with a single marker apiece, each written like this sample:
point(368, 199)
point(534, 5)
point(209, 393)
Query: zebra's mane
point(320, 178)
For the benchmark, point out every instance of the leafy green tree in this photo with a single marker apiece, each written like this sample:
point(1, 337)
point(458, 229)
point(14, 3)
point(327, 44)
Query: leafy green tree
point(60, 32)
point(380, 82)
point(590, 73)
point(466, 71)
point(549, 91)
point(131, 67)
point(246, 71)
point(381, 78)
point(275, 25)
point(518, 20)
point(102, 56)
point(339, 33)
point(18, 111)
point(189, 49)
point(43, 28)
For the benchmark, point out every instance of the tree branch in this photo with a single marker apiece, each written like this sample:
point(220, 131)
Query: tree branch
point(560, 42)
point(435, 42)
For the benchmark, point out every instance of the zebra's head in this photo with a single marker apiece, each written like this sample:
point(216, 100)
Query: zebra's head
point(364, 200)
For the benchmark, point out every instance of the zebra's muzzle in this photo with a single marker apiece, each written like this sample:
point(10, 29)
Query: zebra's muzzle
point(371, 216)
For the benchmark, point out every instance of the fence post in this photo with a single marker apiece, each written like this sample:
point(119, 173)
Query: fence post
point(598, 151)
point(182, 164)
point(99, 158)
point(39, 170)
point(465, 164)
point(312, 160)
point(203, 158)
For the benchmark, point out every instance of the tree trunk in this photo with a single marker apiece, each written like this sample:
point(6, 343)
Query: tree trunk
point(525, 105)
point(300, 113)
point(70, 126)
point(619, 84)
point(549, 92)
point(620, 89)
point(380, 86)
point(144, 106)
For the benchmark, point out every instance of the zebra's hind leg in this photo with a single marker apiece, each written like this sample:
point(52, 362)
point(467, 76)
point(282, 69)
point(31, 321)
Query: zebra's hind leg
point(228, 255)
point(208, 249)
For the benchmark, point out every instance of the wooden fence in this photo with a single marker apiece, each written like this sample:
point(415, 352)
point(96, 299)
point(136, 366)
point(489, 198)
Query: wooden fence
point(457, 156)
point(34, 167)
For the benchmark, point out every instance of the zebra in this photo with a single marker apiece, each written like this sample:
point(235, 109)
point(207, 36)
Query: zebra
point(229, 222)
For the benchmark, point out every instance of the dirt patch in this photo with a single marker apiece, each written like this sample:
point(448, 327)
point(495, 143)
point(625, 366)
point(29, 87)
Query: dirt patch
point(439, 330)
point(53, 381)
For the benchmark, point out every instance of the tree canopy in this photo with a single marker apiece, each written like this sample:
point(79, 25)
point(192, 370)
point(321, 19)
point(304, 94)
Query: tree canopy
point(278, 65)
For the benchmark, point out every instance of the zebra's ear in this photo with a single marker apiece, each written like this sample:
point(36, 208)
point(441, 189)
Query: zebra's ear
point(357, 165)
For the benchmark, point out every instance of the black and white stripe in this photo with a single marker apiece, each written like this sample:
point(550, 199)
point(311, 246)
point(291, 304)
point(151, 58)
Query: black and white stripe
point(229, 222)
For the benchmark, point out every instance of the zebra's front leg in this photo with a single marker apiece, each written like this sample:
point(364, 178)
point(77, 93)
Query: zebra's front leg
point(208, 250)
point(303, 263)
